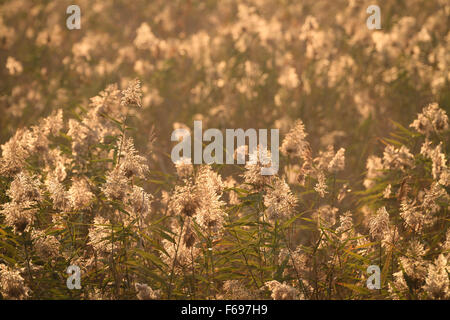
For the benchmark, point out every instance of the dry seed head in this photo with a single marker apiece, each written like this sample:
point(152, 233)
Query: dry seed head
point(116, 184)
point(321, 185)
point(24, 188)
point(294, 143)
point(379, 223)
point(236, 290)
point(144, 292)
point(184, 201)
point(338, 162)
point(79, 194)
point(437, 283)
point(325, 216)
point(375, 168)
point(100, 235)
point(57, 191)
point(184, 168)
point(15, 152)
point(131, 163)
point(12, 285)
point(279, 200)
point(133, 94)
point(432, 119)
point(19, 215)
point(399, 158)
point(324, 158)
point(282, 291)
point(46, 246)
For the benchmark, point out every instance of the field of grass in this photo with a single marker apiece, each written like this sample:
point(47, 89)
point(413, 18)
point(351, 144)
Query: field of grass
point(87, 179)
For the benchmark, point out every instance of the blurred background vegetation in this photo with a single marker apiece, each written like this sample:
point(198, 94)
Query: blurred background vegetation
point(224, 62)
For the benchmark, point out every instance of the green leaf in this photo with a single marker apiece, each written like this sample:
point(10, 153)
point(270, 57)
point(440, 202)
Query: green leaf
point(291, 220)
point(147, 255)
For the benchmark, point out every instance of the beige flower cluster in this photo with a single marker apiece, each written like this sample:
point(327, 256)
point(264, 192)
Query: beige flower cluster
point(363, 175)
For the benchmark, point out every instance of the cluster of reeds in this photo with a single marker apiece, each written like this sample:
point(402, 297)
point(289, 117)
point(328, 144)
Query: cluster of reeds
point(363, 178)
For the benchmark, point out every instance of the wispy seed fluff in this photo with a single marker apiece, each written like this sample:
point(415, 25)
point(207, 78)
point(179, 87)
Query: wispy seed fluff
point(57, 192)
point(375, 168)
point(379, 223)
point(399, 284)
point(432, 119)
point(236, 290)
point(19, 215)
point(413, 216)
point(184, 168)
point(437, 283)
point(133, 94)
point(321, 185)
point(184, 253)
point(279, 200)
point(116, 184)
point(100, 235)
point(399, 158)
point(387, 192)
point(282, 291)
point(324, 158)
point(39, 134)
point(346, 225)
point(131, 163)
point(144, 292)
point(81, 137)
point(79, 194)
point(259, 158)
point(446, 244)
point(296, 262)
point(24, 193)
point(12, 285)
point(56, 162)
point(46, 246)
point(107, 102)
point(211, 216)
point(184, 200)
point(413, 263)
point(139, 202)
point(103, 106)
point(209, 186)
point(439, 168)
point(325, 216)
point(26, 142)
point(24, 188)
point(14, 153)
point(431, 198)
point(295, 141)
point(338, 162)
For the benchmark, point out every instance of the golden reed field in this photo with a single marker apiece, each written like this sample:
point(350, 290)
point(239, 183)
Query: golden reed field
point(233, 149)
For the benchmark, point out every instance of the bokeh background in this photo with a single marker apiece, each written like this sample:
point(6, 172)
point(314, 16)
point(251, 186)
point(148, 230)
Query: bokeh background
point(233, 64)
